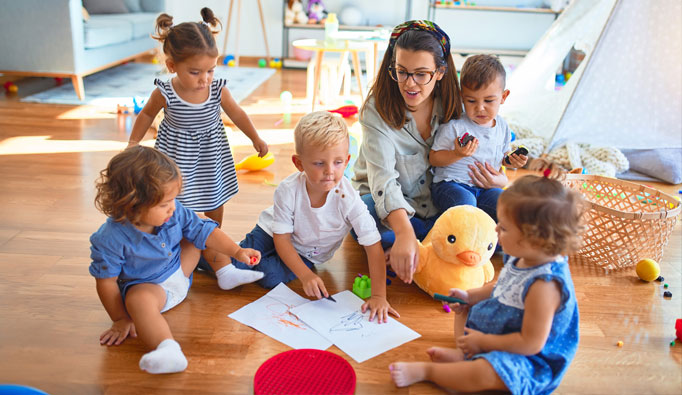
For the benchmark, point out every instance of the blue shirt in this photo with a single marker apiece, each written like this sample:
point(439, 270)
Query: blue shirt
point(493, 143)
point(119, 249)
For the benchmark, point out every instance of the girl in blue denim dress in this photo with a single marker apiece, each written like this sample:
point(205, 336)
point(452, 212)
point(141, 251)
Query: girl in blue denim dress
point(522, 330)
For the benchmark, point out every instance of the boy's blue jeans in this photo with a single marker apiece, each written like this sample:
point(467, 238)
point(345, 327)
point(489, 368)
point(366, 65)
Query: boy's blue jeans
point(446, 194)
point(421, 226)
point(270, 263)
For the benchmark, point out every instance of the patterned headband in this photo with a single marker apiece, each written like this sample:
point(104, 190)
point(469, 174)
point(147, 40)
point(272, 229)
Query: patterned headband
point(426, 26)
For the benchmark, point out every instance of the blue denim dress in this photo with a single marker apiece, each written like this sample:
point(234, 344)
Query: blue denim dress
point(502, 313)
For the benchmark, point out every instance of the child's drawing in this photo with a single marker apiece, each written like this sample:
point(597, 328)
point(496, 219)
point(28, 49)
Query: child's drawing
point(272, 316)
point(349, 329)
point(350, 322)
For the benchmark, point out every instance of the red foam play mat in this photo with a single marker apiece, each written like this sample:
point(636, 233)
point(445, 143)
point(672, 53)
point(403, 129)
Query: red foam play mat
point(305, 371)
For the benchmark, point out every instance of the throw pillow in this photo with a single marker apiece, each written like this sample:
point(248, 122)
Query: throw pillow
point(105, 6)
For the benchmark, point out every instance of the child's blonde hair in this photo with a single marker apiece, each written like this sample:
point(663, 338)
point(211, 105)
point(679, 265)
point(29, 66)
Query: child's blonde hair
point(320, 129)
point(479, 71)
point(548, 214)
point(134, 181)
point(187, 39)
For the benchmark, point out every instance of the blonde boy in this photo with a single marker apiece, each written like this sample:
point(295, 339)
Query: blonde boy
point(313, 210)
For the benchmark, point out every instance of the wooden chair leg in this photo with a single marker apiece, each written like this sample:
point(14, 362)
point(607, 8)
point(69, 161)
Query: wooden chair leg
point(77, 82)
point(265, 36)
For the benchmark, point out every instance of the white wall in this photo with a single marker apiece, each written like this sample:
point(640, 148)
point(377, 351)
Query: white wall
point(251, 41)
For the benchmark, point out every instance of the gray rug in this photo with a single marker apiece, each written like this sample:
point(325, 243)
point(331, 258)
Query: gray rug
point(119, 85)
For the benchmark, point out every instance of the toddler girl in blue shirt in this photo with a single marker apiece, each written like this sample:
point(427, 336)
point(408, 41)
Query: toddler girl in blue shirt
point(144, 254)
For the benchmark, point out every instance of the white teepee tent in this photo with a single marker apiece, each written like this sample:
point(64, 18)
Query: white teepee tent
point(625, 94)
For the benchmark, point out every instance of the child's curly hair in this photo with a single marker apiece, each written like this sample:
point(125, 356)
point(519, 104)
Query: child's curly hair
point(187, 39)
point(548, 214)
point(134, 181)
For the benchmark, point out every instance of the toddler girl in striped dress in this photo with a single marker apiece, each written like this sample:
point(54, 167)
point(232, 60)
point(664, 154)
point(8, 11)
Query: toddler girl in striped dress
point(192, 132)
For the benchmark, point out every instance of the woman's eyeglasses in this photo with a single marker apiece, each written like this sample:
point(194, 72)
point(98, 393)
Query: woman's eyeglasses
point(419, 77)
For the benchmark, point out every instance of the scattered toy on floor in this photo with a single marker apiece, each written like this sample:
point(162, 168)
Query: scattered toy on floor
point(254, 162)
point(346, 111)
point(660, 279)
point(620, 343)
point(362, 287)
point(667, 294)
point(446, 308)
point(648, 269)
point(227, 59)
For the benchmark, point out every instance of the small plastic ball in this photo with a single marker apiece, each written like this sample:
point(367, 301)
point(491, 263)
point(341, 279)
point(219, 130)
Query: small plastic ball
point(285, 96)
point(672, 343)
point(13, 89)
point(667, 294)
point(262, 63)
point(446, 308)
point(648, 270)
point(665, 286)
point(230, 63)
point(620, 343)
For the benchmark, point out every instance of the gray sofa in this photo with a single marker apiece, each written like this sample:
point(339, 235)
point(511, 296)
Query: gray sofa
point(50, 38)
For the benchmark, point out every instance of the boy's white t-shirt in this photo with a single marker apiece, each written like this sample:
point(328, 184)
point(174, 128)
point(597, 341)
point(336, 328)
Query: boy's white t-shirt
point(493, 143)
point(316, 233)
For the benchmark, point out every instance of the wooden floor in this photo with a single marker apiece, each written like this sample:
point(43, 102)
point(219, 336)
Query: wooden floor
point(51, 317)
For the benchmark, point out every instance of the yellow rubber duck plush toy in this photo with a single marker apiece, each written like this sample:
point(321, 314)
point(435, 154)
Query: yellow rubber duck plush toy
point(456, 252)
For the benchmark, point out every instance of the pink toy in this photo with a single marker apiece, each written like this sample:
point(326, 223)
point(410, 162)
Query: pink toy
point(346, 111)
point(446, 308)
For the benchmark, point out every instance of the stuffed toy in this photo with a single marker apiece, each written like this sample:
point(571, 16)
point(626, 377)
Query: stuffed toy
point(456, 252)
point(316, 11)
point(294, 13)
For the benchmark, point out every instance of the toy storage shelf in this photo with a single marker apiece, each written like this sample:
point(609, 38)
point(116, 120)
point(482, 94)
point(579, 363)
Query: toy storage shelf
point(321, 27)
point(294, 63)
point(491, 8)
point(533, 21)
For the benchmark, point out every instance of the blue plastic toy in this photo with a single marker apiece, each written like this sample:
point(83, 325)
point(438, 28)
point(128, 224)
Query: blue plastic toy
point(137, 107)
point(227, 59)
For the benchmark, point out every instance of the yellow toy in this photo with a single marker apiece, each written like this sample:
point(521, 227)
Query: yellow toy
point(648, 270)
point(456, 253)
point(254, 162)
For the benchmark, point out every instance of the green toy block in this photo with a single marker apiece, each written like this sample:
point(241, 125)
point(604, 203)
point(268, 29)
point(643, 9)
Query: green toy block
point(362, 286)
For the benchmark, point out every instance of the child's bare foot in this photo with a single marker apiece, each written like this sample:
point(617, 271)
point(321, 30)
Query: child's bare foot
point(444, 354)
point(407, 373)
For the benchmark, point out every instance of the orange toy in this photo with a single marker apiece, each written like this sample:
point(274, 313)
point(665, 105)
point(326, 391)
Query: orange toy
point(254, 162)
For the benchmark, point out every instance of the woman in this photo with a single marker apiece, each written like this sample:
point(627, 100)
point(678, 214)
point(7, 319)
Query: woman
point(415, 91)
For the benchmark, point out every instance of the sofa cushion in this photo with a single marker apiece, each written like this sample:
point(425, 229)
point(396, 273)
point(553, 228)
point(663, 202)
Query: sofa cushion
point(133, 5)
point(105, 6)
point(103, 30)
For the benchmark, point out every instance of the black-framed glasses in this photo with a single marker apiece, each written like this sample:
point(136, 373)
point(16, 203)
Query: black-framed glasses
point(421, 77)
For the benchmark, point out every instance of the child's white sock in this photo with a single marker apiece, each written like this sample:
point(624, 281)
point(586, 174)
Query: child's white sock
point(167, 358)
point(230, 277)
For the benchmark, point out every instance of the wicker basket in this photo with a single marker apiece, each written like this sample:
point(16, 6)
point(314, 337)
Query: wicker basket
point(626, 222)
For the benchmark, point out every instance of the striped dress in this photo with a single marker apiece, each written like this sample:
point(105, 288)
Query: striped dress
point(194, 136)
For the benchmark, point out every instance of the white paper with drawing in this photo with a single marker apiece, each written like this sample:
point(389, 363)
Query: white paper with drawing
point(270, 315)
point(344, 324)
